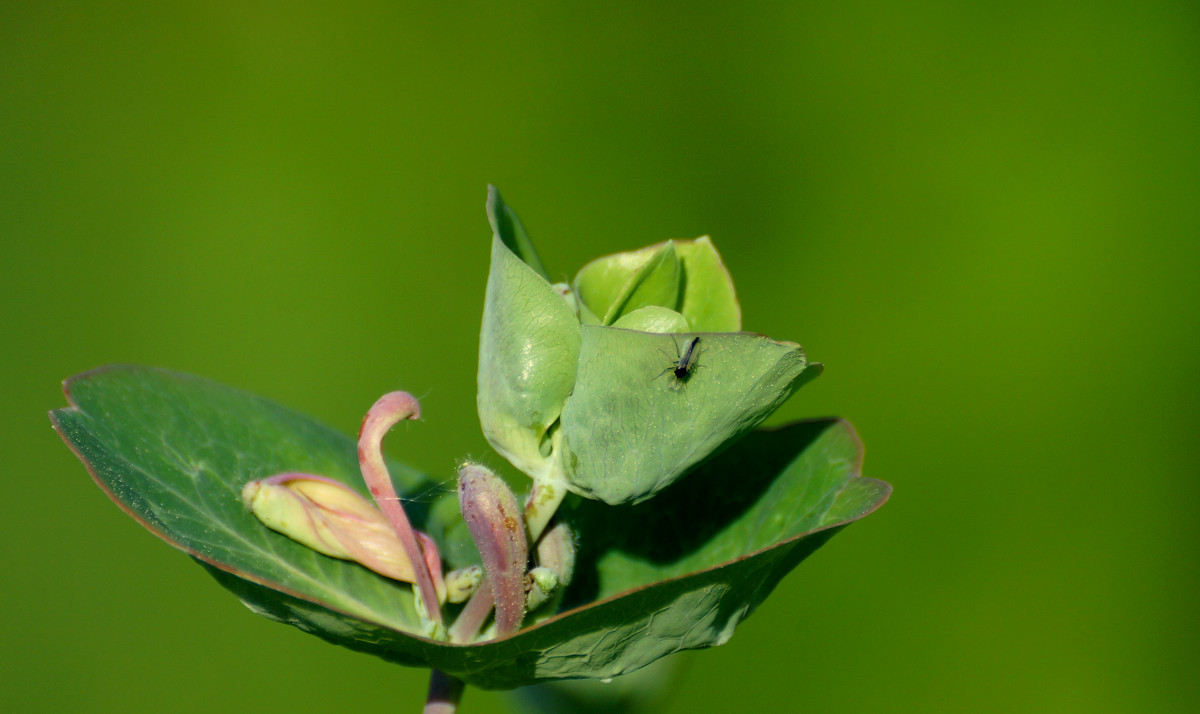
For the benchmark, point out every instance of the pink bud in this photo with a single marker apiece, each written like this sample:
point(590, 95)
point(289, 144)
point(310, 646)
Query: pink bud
point(331, 518)
point(494, 520)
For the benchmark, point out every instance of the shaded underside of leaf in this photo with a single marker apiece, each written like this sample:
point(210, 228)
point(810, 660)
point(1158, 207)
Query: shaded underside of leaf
point(674, 573)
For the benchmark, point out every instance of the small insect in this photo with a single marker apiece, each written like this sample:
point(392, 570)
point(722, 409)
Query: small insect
point(685, 361)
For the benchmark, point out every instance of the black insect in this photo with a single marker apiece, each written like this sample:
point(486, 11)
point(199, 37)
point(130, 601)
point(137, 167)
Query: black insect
point(685, 361)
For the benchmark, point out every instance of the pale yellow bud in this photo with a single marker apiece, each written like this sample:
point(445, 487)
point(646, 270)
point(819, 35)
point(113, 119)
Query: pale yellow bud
point(330, 518)
point(461, 584)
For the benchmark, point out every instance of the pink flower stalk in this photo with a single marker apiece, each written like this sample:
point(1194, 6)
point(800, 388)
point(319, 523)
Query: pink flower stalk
point(389, 410)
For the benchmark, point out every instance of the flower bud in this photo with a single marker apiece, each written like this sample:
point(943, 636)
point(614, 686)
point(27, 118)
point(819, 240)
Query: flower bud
point(556, 565)
point(462, 583)
point(556, 551)
point(331, 518)
point(494, 519)
point(542, 582)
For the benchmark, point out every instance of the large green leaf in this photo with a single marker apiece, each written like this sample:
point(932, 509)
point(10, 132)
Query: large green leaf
point(674, 573)
point(709, 301)
point(528, 347)
point(633, 425)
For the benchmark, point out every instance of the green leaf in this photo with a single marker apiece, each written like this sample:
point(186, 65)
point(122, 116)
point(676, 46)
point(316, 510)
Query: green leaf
point(686, 276)
point(174, 451)
point(674, 573)
point(657, 282)
point(631, 427)
point(528, 348)
point(507, 227)
point(606, 283)
point(709, 301)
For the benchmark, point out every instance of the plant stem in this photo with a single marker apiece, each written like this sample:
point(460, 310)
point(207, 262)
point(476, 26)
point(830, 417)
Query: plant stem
point(549, 489)
point(445, 691)
point(466, 628)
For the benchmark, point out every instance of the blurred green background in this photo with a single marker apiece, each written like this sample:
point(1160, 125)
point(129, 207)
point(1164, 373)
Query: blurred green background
point(983, 218)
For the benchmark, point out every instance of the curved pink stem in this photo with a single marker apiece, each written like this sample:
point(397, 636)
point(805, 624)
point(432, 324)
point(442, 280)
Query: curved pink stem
point(433, 561)
point(391, 409)
point(470, 621)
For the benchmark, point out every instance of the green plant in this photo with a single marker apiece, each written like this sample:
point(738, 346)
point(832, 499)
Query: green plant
point(658, 516)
